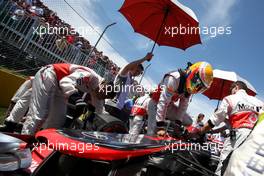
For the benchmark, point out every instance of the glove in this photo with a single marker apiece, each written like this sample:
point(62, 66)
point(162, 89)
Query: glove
point(74, 98)
point(90, 116)
point(91, 108)
point(80, 105)
point(149, 56)
point(161, 133)
point(195, 134)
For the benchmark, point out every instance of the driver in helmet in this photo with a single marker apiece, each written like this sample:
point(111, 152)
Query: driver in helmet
point(178, 86)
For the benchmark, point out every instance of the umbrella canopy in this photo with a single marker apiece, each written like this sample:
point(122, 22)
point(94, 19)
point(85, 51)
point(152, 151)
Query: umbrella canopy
point(222, 82)
point(166, 22)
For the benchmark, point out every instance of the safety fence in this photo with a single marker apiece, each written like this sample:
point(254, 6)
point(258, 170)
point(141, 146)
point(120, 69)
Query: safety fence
point(24, 48)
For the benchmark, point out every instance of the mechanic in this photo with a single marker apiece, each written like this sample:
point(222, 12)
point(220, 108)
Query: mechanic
point(242, 112)
point(18, 106)
point(248, 159)
point(140, 113)
point(199, 121)
point(53, 86)
point(197, 124)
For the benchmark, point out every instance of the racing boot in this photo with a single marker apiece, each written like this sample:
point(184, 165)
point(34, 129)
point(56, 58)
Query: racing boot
point(8, 126)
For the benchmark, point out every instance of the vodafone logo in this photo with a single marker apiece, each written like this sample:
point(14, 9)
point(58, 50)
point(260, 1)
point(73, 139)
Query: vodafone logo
point(253, 118)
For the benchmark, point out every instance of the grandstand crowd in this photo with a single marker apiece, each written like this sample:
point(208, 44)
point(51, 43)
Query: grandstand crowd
point(68, 34)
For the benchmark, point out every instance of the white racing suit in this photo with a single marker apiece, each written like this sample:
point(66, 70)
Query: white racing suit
point(162, 105)
point(242, 111)
point(22, 89)
point(171, 92)
point(21, 99)
point(52, 86)
point(248, 159)
point(139, 113)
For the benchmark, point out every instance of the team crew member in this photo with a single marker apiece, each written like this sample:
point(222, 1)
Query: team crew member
point(199, 122)
point(242, 111)
point(139, 114)
point(124, 78)
point(143, 108)
point(178, 86)
point(248, 159)
point(51, 89)
point(18, 106)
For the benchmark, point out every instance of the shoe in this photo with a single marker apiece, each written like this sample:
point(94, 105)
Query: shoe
point(8, 126)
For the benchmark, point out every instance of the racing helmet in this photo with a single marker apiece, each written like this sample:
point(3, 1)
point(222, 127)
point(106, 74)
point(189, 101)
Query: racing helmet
point(199, 77)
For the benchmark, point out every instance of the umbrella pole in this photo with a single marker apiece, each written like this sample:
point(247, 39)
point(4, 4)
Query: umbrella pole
point(160, 29)
point(221, 93)
point(218, 104)
point(145, 70)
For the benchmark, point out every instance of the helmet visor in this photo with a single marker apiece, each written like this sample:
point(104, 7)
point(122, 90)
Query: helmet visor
point(197, 85)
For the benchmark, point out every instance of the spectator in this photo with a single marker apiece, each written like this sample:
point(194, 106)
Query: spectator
point(70, 39)
point(79, 44)
point(16, 11)
point(61, 44)
point(35, 10)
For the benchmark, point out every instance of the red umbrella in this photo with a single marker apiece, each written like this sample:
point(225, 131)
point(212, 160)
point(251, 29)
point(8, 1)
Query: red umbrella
point(159, 20)
point(222, 82)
